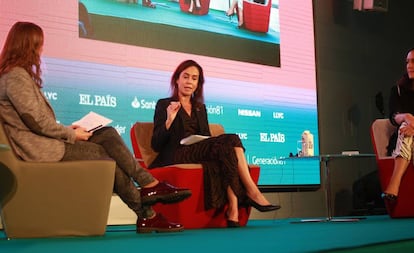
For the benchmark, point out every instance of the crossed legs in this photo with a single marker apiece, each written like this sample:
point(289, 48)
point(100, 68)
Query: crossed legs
point(400, 167)
point(196, 3)
point(236, 7)
point(402, 157)
point(252, 190)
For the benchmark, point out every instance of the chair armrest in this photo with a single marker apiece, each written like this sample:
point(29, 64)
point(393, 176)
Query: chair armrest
point(385, 158)
point(62, 198)
point(185, 166)
point(68, 176)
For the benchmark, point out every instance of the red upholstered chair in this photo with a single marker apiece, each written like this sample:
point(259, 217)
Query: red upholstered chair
point(189, 212)
point(205, 6)
point(381, 130)
point(256, 16)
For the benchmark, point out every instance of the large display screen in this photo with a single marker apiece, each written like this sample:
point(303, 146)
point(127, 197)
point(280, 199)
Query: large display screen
point(116, 57)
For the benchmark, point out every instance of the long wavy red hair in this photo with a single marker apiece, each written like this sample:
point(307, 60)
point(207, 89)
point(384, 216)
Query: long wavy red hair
point(22, 49)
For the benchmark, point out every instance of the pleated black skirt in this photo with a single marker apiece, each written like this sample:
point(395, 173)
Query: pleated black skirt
point(219, 160)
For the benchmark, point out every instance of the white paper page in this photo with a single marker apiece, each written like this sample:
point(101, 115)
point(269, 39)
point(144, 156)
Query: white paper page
point(92, 121)
point(193, 139)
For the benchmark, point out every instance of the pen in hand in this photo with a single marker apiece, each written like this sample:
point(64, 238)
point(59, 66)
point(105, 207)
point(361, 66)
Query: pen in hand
point(95, 128)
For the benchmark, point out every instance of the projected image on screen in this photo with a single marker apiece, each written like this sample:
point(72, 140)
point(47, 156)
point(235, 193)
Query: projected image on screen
point(212, 29)
point(267, 106)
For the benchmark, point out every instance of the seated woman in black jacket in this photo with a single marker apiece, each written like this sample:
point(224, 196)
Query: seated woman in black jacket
point(401, 104)
point(226, 173)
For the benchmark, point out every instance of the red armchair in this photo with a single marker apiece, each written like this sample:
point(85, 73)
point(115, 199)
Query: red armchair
point(205, 6)
point(190, 212)
point(381, 130)
point(256, 16)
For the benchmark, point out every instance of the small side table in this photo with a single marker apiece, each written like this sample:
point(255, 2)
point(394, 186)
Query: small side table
point(325, 159)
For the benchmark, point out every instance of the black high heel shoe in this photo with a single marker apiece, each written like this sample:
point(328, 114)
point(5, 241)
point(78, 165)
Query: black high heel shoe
point(389, 197)
point(231, 223)
point(261, 208)
point(229, 15)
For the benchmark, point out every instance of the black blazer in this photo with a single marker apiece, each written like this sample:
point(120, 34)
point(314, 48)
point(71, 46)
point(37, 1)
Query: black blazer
point(164, 141)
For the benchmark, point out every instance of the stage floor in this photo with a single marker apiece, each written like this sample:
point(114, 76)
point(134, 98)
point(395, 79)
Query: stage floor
point(258, 236)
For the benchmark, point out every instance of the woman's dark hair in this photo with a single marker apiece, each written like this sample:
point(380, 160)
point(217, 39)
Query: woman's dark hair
point(22, 49)
point(198, 95)
point(405, 80)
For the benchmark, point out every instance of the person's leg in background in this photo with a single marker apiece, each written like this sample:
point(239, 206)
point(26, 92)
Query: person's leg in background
point(402, 157)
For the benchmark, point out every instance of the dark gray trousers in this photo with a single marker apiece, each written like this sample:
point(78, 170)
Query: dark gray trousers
point(106, 143)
